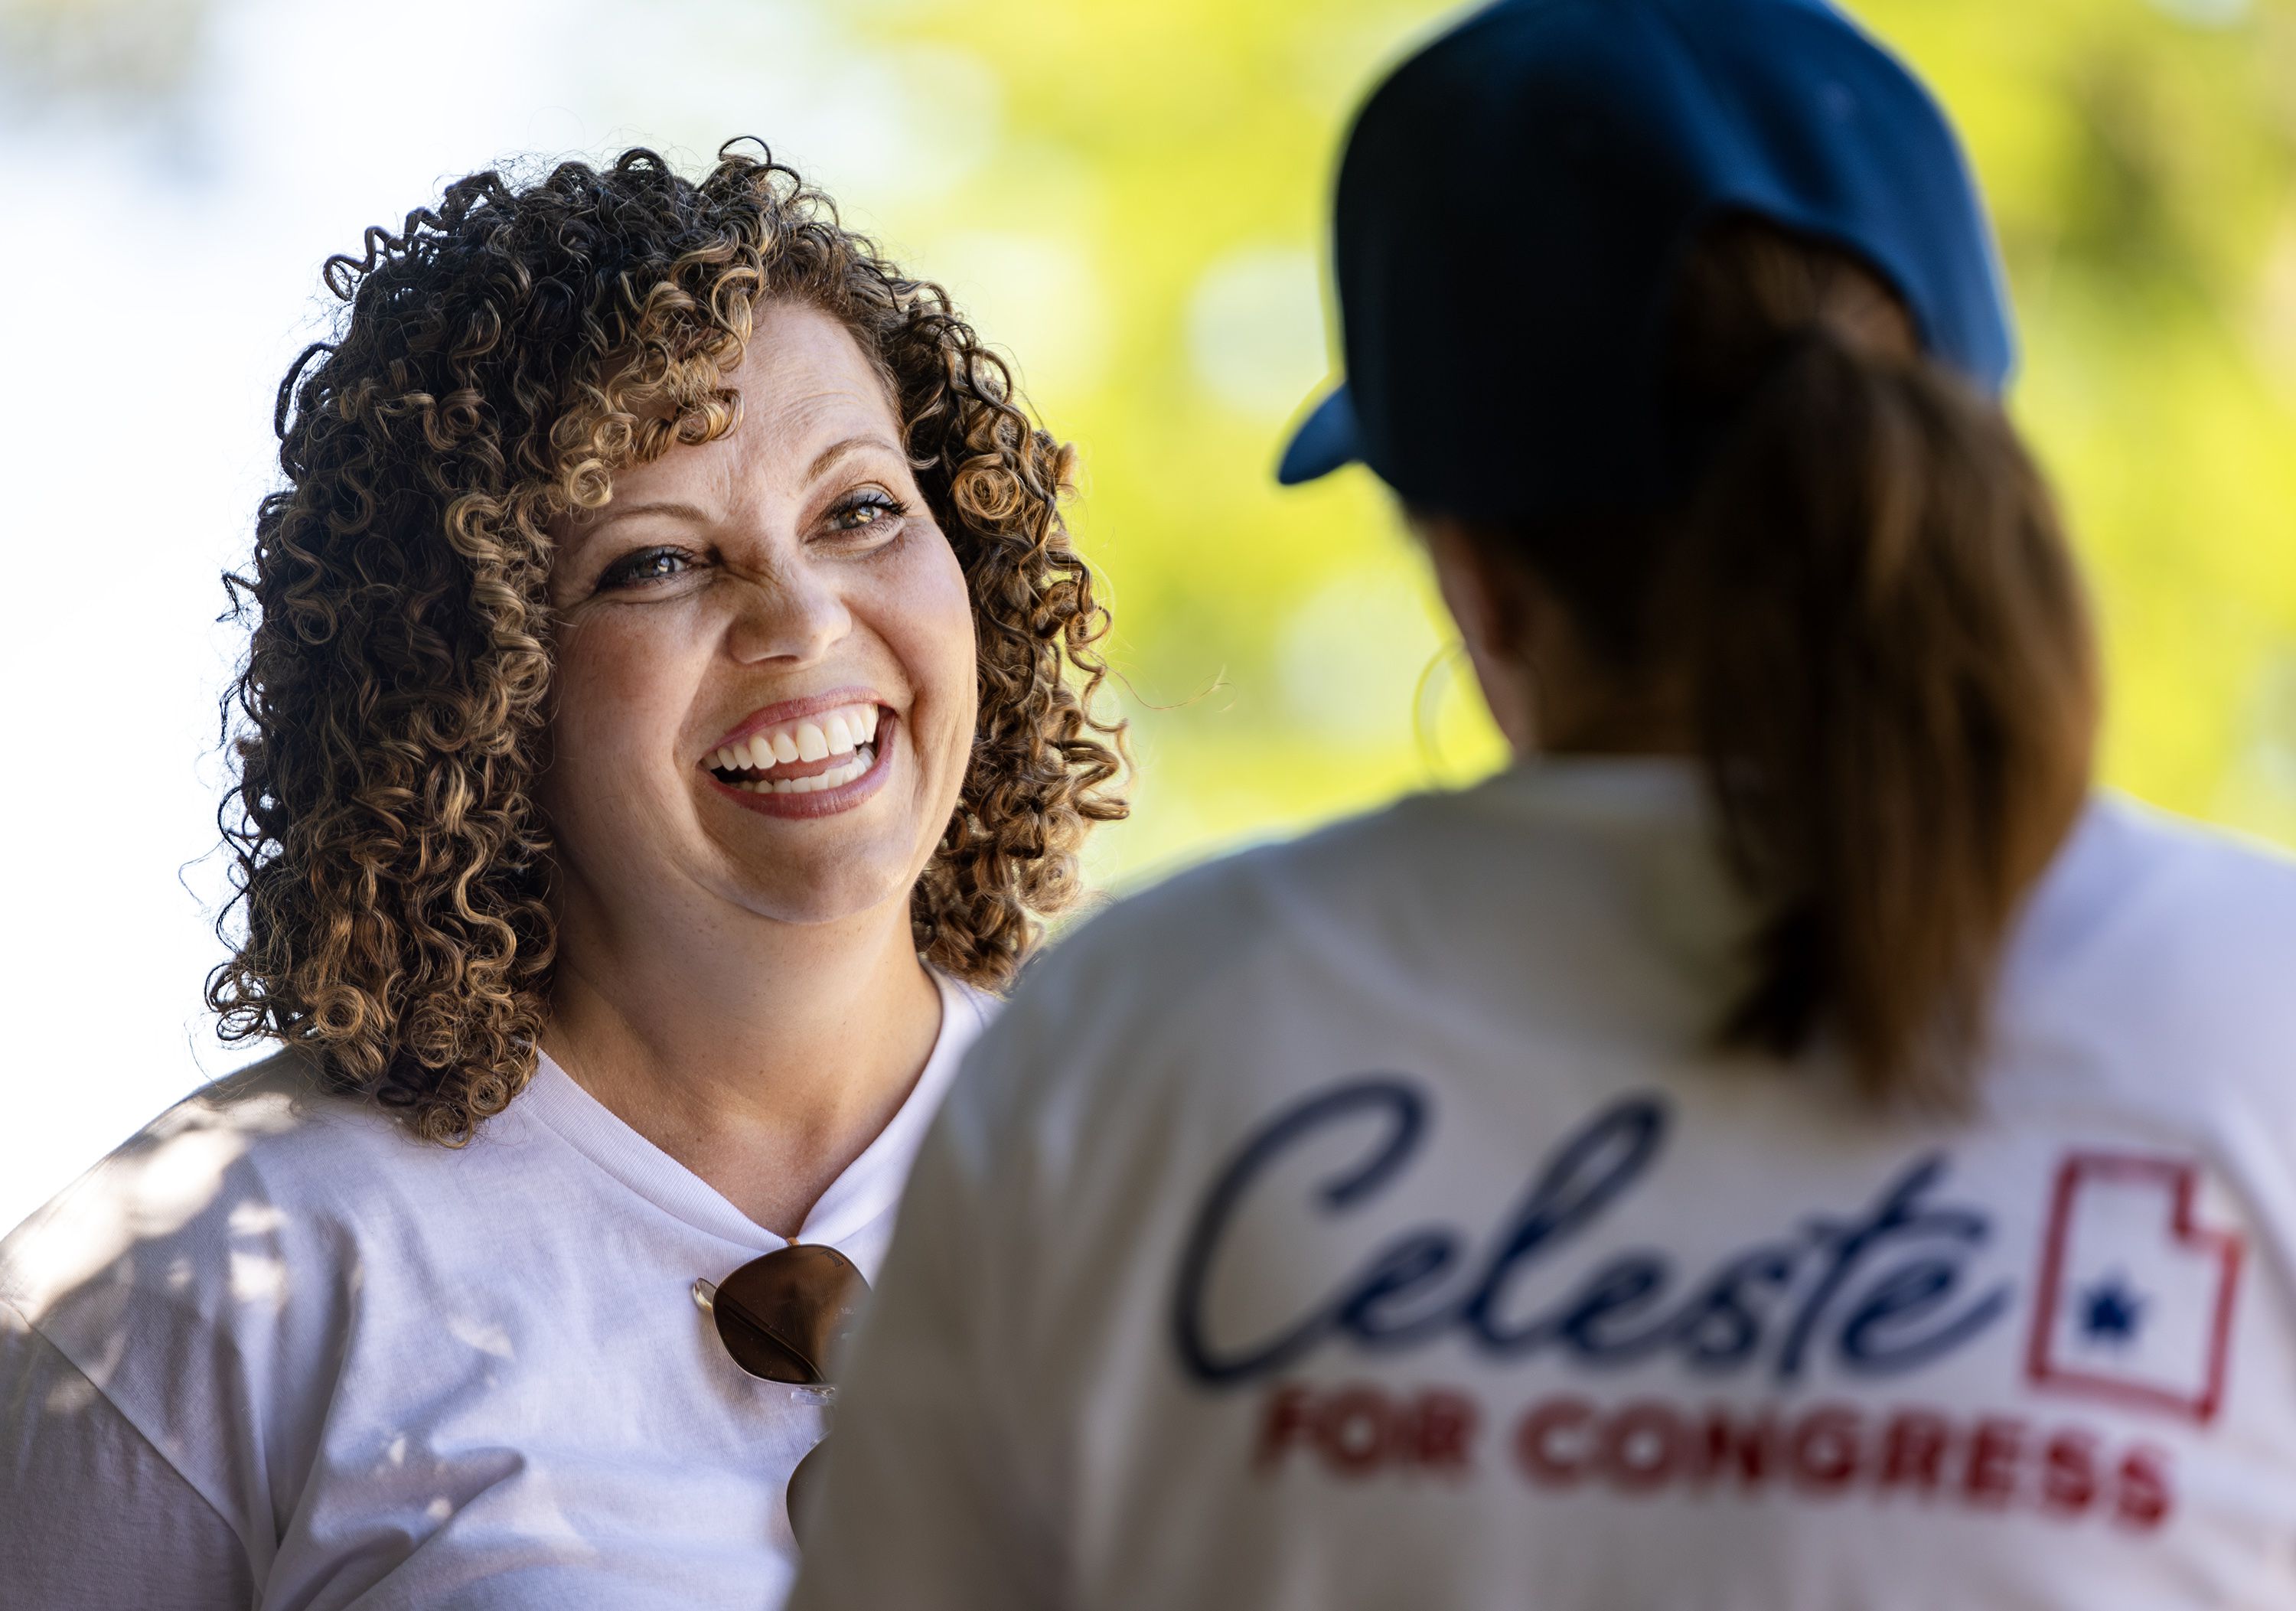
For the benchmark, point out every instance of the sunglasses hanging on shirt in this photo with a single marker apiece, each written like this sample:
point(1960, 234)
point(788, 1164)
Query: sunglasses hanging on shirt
point(786, 1317)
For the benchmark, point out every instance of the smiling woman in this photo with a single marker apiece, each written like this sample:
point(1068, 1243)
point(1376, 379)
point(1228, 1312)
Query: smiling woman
point(669, 711)
point(590, 324)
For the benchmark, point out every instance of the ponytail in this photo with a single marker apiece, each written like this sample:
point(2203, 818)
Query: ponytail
point(1884, 650)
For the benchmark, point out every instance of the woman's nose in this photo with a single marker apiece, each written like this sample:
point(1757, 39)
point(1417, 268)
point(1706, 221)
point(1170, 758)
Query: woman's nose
point(790, 618)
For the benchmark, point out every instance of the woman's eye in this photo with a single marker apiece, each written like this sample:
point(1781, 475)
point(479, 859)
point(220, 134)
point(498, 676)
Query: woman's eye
point(863, 510)
point(646, 566)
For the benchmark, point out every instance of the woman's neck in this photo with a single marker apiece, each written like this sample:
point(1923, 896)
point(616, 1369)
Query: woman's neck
point(767, 1067)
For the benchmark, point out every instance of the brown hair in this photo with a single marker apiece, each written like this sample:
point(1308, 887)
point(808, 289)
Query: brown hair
point(1880, 644)
point(503, 355)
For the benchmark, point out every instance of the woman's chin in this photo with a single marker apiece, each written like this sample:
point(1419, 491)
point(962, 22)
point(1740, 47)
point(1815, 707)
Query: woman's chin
point(848, 887)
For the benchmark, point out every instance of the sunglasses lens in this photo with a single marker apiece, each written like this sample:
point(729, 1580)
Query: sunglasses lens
point(785, 1317)
point(801, 1495)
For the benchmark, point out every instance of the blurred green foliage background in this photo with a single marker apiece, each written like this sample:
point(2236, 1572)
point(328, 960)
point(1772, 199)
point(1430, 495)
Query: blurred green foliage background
point(1147, 241)
point(1129, 198)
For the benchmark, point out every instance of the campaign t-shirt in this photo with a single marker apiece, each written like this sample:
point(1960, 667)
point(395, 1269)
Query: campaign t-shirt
point(274, 1352)
point(1366, 1222)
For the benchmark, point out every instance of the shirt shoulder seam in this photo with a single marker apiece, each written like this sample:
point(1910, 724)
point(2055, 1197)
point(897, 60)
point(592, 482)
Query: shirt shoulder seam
point(142, 1435)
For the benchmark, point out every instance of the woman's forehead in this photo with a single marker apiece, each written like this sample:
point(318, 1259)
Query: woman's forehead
point(802, 367)
point(807, 389)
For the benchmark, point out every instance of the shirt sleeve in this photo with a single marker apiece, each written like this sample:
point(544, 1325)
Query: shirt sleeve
point(922, 1503)
point(91, 1514)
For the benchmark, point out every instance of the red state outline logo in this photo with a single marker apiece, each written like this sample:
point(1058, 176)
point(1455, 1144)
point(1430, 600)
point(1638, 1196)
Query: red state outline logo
point(2182, 1179)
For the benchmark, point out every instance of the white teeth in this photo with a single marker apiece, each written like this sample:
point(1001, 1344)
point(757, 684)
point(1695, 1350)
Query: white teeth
point(839, 732)
point(834, 778)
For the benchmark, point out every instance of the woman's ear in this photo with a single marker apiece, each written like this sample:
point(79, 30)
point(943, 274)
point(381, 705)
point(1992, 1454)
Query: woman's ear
point(1494, 603)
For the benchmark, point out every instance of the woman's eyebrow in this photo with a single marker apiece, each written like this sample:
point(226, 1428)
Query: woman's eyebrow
point(616, 512)
point(676, 510)
point(838, 450)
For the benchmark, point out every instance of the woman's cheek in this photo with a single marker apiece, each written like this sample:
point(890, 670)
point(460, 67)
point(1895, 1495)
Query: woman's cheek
point(959, 649)
point(930, 626)
point(626, 680)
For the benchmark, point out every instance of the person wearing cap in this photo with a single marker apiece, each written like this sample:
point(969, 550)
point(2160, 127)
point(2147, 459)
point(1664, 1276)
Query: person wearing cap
point(1788, 1142)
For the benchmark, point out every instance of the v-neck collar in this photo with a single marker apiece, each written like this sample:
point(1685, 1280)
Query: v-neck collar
point(866, 1188)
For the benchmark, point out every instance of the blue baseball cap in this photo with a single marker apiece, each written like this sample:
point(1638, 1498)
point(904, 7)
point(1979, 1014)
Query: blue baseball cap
point(1515, 198)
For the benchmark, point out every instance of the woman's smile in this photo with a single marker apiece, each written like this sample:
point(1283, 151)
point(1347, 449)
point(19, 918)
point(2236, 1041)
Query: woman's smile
point(790, 569)
point(805, 757)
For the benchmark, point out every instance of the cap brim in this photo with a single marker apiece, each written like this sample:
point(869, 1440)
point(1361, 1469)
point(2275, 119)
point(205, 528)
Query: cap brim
point(1326, 440)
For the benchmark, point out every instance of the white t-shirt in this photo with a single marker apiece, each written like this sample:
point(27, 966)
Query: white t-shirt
point(272, 1351)
point(1357, 1223)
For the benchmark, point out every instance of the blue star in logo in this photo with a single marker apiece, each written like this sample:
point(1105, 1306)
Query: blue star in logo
point(2110, 1312)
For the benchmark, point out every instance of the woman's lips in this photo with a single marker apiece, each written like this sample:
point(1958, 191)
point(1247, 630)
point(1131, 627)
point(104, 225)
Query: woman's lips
point(798, 730)
point(859, 773)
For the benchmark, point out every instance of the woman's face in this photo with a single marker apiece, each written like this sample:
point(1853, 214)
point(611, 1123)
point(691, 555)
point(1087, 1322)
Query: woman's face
point(764, 690)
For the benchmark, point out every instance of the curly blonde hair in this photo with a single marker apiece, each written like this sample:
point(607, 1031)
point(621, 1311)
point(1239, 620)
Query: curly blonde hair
point(503, 355)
